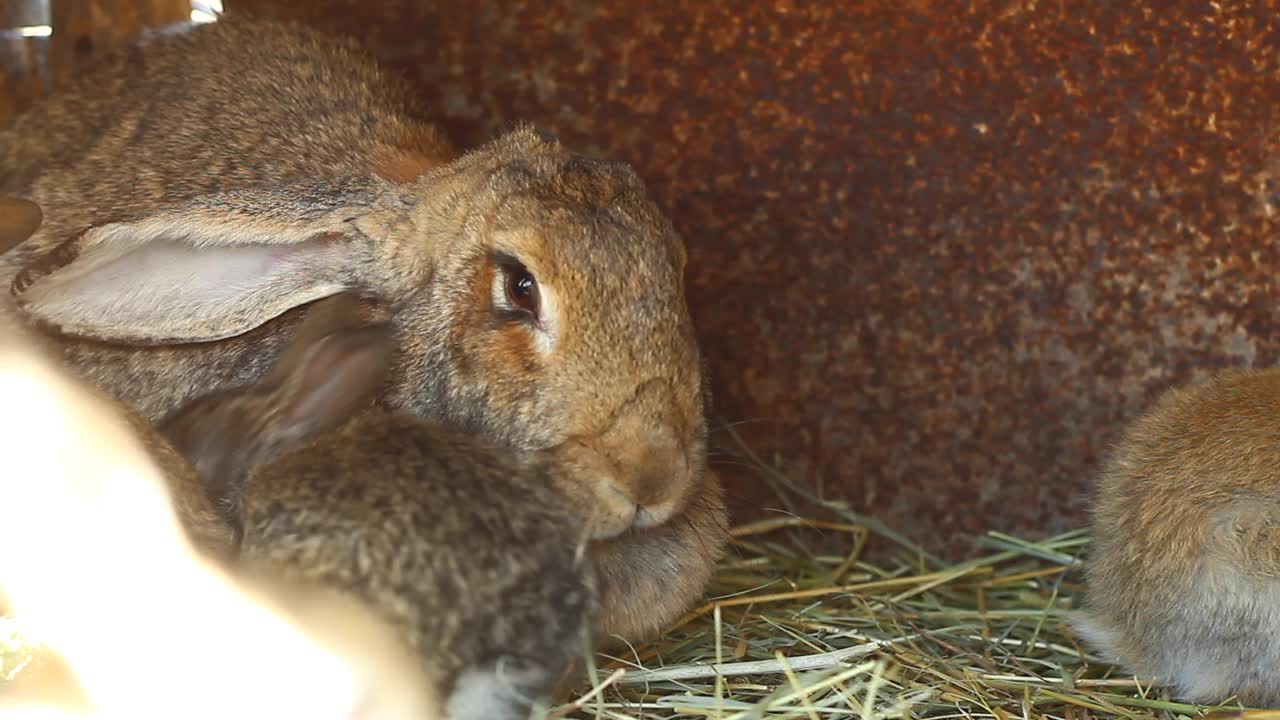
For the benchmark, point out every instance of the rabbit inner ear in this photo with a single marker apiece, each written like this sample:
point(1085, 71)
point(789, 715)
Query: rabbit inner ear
point(326, 383)
point(169, 291)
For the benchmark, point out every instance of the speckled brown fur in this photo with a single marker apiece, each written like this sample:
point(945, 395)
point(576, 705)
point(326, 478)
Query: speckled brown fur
point(297, 153)
point(458, 545)
point(472, 555)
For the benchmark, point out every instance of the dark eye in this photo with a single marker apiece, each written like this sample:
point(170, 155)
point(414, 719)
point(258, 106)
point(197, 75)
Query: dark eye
point(521, 288)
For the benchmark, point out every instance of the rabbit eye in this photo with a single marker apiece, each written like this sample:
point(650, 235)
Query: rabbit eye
point(520, 287)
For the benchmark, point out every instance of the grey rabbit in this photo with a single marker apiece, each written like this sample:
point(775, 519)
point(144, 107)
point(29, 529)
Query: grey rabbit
point(202, 188)
point(473, 554)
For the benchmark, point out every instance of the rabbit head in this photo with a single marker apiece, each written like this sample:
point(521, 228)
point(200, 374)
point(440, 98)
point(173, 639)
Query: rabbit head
point(556, 323)
point(537, 298)
point(175, 636)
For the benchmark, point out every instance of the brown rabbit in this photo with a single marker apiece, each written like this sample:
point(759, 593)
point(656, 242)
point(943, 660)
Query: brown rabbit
point(97, 568)
point(203, 187)
point(473, 554)
point(1184, 574)
point(19, 219)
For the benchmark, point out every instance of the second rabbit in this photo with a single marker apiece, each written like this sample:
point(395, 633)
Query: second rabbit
point(472, 554)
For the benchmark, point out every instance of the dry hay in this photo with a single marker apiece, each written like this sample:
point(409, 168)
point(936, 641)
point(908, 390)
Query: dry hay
point(800, 623)
point(792, 633)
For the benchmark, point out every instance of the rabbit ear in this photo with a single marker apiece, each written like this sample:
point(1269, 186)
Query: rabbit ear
point(19, 220)
point(187, 277)
point(335, 362)
point(335, 314)
point(321, 380)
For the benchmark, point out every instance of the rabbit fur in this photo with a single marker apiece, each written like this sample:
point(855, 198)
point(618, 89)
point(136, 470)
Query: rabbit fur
point(473, 554)
point(1184, 571)
point(201, 189)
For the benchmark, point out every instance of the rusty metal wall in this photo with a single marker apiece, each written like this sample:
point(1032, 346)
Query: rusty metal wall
point(31, 66)
point(939, 251)
point(23, 59)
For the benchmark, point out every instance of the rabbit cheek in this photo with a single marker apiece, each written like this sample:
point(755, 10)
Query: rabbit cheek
point(508, 358)
point(513, 349)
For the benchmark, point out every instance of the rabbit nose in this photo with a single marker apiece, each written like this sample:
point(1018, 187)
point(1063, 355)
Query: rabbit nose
point(627, 513)
point(639, 471)
point(630, 513)
point(625, 490)
point(651, 473)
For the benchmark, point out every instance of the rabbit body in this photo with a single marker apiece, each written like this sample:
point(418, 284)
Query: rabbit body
point(202, 189)
point(1184, 574)
point(233, 105)
point(465, 551)
point(473, 555)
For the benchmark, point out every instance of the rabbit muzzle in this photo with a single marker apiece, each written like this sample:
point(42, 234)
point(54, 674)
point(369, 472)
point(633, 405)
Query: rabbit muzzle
point(641, 472)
